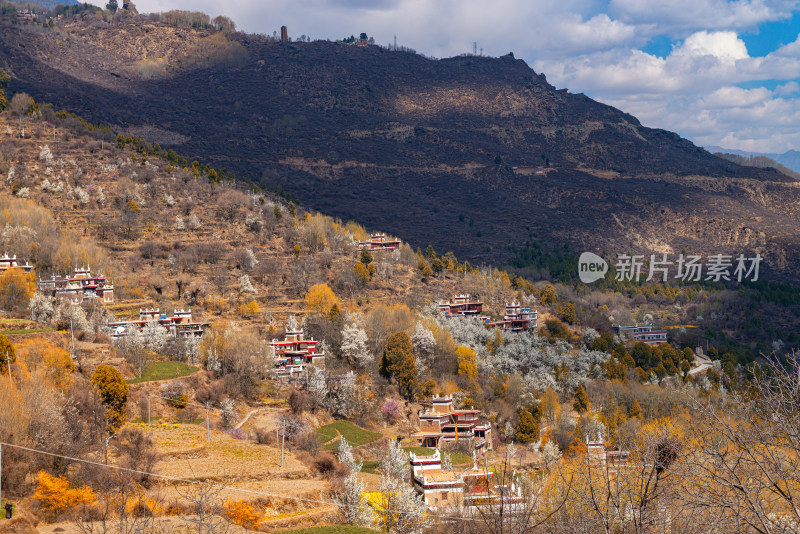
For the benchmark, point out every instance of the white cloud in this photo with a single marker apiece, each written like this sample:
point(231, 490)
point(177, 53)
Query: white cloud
point(677, 17)
point(725, 46)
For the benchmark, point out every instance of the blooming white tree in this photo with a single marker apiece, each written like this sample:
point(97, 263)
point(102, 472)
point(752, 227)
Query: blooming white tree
point(354, 345)
point(344, 399)
point(589, 335)
point(404, 511)
point(291, 324)
point(155, 336)
point(194, 222)
point(132, 348)
point(179, 225)
point(70, 316)
point(447, 461)
point(101, 196)
point(41, 309)
point(550, 453)
point(424, 345)
point(423, 340)
point(245, 285)
point(45, 154)
point(345, 456)
point(82, 196)
point(228, 413)
point(316, 382)
point(351, 503)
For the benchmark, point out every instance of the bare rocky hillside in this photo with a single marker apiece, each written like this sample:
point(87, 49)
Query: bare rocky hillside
point(423, 148)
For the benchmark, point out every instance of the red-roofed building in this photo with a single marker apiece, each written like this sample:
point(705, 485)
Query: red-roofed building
point(456, 488)
point(79, 287)
point(461, 306)
point(379, 242)
point(643, 333)
point(294, 353)
point(442, 425)
point(516, 318)
point(179, 324)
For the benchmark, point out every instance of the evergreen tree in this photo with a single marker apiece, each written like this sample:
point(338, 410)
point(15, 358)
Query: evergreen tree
point(527, 430)
point(636, 409)
point(112, 6)
point(581, 403)
point(398, 362)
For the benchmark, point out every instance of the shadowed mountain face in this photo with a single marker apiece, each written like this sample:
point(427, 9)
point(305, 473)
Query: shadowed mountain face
point(429, 150)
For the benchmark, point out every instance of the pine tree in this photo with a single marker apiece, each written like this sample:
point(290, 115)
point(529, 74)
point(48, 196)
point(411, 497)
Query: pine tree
point(527, 430)
point(581, 403)
point(636, 409)
point(398, 362)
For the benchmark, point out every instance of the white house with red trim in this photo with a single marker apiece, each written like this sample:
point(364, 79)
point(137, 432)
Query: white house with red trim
point(516, 318)
point(643, 333)
point(461, 306)
point(11, 262)
point(379, 242)
point(179, 324)
point(460, 487)
point(294, 353)
point(80, 287)
point(443, 424)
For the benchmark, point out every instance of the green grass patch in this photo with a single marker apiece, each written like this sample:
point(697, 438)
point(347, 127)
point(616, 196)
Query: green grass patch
point(164, 371)
point(369, 466)
point(27, 331)
point(354, 434)
point(420, 451)
point(456, 457)
point(330, 529)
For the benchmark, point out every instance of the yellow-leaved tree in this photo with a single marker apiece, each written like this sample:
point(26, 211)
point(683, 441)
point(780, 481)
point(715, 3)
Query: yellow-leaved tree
point(242, 513)
point(16, 287)
point(55, 495)
point(113, 392)
point(7, 353)
point(41, 356)
point(320, 299)
point(467, 365)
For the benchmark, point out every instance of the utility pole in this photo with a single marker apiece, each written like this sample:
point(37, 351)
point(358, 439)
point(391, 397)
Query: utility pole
point(1, 473)
point(8, 365)
point(208, 425)
point(283, 440)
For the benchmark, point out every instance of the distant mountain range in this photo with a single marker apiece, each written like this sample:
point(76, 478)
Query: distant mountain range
point(790, 158)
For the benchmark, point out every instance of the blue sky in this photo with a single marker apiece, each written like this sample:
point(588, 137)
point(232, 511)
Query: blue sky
point(718, 72)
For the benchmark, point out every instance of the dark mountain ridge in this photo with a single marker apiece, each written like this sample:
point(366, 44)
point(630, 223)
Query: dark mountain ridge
point(430, 150)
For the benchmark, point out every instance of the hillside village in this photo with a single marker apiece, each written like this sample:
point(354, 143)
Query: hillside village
point(187, 351)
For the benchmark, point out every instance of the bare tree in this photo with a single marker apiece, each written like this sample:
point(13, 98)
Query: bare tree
point(743, 466)
point(207, 507)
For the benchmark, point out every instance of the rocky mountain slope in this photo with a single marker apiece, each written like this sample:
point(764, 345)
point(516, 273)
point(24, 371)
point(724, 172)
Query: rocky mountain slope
point(423, 148)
